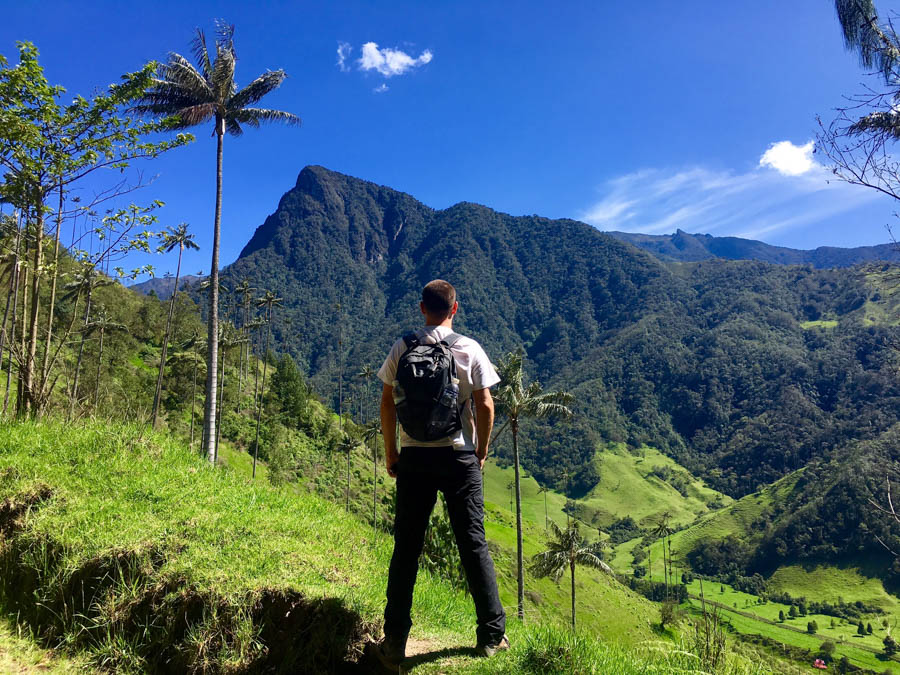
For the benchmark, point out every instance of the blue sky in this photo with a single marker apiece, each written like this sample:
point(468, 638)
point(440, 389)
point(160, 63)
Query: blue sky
point(632, 116)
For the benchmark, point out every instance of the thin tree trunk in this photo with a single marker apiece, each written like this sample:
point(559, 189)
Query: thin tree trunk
point(20, 383)
point(162, 361)
point(520, 561)
point(15, 309)
point(43, 395)
point(341, 377)
point(375, 483)
point(193, 403)
point(12, 298)
point(209, 424)
point(241, 369)
point(221, 398)
point(255, 372)
point(259, 409)
point(546, 515)
point(99, 363)
point(572, 570)
point(348, 477)
point(73, 398)
point(30, 396)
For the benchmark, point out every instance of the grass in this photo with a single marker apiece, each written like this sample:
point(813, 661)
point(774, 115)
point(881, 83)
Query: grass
point(136, 532)
point(628, 488)
point(821, 323)
point(20, 654)
point(734, 519)
point(126, 546)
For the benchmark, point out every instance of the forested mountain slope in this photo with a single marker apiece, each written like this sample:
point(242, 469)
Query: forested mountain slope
point(744, 371)
point(686, 247)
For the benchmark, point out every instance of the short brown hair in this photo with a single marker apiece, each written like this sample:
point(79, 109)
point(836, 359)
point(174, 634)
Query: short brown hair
point(438, 297)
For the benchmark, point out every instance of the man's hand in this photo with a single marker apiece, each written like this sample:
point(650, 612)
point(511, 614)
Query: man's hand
point(484, 422)
point(391, 458)
point(389, 430)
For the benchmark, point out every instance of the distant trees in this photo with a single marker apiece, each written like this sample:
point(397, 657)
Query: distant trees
point(196, 95)
point(516, 402)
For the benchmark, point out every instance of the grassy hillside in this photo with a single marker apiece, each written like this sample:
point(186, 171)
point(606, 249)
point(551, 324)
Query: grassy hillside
point(125, 545)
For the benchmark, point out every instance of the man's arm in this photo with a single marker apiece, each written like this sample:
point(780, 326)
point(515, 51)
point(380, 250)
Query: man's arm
point(389, 429)
point(484, 422)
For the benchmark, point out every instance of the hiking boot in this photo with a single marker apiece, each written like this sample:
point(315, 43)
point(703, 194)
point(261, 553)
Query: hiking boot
point(389, 653)
point(489, 650)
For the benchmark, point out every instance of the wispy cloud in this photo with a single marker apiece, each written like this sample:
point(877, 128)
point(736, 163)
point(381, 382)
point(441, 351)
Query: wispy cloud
point(343, 51)
point(381, 88)
point(390, 62)
point(787, 190)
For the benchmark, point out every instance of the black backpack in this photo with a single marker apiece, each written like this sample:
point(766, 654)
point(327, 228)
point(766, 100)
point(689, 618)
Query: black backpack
point(426, 389)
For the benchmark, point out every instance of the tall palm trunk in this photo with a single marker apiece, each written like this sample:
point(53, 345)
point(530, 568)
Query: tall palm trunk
point(73, 398)
point(259, 408)
point(20, 382)
point(520, 562)
point(375, 483)
point(221, 398)
point(162, 361)
point(51, 310)
point(14, 296)
point(193, 403)
point(30, 396)
point(546, 514)
point(572, 570)
point(99, 363)
point(209, 424)
point(241, 370)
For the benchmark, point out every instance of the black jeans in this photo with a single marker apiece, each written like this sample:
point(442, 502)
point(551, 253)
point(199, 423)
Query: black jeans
point(421, 472)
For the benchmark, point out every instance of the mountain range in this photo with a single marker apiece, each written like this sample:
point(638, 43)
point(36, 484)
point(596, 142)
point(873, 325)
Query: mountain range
point(743, 371)
point(686, 247)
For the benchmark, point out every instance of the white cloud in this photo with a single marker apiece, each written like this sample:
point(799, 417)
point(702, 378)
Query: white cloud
point(725, 203)
point(789, 159)
point(390, 62)
point(380, 89)
point(343, 51)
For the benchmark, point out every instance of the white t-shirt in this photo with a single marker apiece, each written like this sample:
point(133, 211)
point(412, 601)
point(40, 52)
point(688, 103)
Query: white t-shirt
point(474, 370)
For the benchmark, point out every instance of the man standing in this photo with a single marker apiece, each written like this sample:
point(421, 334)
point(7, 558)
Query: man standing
point(451, 464)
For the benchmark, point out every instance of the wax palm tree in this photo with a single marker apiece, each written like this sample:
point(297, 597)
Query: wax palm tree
point(366, 373)
point(346, 444)
point(662, 530)
point(174, 236)
point(190, 356)
point(269, 301)
point(86, 280)
point(517, 402)
point(568, 549)
point(244, 291)
point(101, 324)
point(255, 324)
point(228, 338)
point(511, 485)
point(543, 489)
point(206, 93)
point(876, 46)
point(370, 433)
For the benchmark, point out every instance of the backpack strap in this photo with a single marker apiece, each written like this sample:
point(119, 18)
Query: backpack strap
point(452, 339)
point(411, 340)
